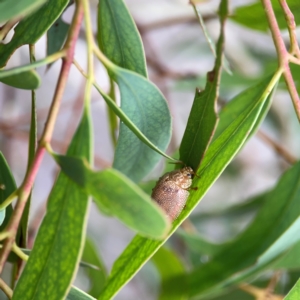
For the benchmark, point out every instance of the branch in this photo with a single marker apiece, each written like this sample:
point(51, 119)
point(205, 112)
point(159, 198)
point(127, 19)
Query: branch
point(282, 53)
point(26, 186)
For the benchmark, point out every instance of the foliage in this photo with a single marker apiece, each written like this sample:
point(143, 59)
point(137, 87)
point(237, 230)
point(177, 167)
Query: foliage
point(212, 138)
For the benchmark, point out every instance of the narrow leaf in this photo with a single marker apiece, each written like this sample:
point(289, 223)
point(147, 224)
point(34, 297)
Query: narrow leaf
point(119, 38)
point(257, 244)
point(126, 120)
point(118, 196)
point(21, 8)
point(29, 30)
point(96, 277)
point(203, 118)
point(7, 187)
point(254, 16)
point(169, 265)
point(57, 249)
point(198, 244)
point(294, 294)
point(291, 260)
point(56, 36)
point(239, 103)
point(77, 294)
point(146, 107)
point(218, 156)
point(28, 80)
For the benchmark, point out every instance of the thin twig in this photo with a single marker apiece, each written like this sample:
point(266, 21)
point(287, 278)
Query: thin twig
point(277, 147)
point(6, 289)
point(294, 47)
point(25, 188)
point(282, 53)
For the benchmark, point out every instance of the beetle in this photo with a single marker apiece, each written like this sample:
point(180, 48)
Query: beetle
point(171, 191)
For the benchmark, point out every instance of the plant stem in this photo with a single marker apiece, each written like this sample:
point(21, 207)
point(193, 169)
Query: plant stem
point(6, 289)
point(49, 59)
point(283, 54)
point(17, 250)
point(277, 147)
point(26, 186)
point(294, 47)
point(90, 45)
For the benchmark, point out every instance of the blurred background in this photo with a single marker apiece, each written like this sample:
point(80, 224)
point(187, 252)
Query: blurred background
point(178, 58)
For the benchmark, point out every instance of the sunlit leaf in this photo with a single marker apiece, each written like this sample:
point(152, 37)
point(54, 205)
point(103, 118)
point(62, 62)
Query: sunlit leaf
point(294, 294)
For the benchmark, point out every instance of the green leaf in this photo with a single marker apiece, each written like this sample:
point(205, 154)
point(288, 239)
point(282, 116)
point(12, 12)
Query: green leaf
point(20, 8)
point(198, 244)
point(239, 103)
point(28, 80)
point(119, 38)
point(77, 294)
point(96, 277)
point(56, 36)
point(7, 187)
point(294, 294)
point(291, 260)
point(119, 196)
point(254, 16)
point(146, 107)
point(168, 265)
point(126, 120)
point(29, 30)
point(218, 156)
point(257, 244)
point(203, 117)
point(57, 249)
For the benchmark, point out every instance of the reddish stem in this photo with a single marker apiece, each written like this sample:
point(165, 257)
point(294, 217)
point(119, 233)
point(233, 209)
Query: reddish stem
point(283, 54)
point(26, 187)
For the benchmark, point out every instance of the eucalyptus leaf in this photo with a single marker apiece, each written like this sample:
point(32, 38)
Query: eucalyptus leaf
point(218, 156)
point(146, 107)
point(203, 117)
point(29, 30)
point(56, 36)
point(257, 245)
point(97, 276)
point(21, 8)
point(294, 294)
point(28, 80)
point(77, 294)
point(119, 38)
point(129, 123)
point(118, 195)
point(168, 265)
point(7, 187)
point(254, 16)
point(57, 249)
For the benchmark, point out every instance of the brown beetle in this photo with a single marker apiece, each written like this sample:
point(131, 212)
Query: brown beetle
point(171, 191)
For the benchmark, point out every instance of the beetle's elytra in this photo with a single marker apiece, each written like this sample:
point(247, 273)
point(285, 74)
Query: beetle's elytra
point(171, 191)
